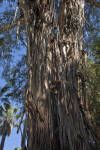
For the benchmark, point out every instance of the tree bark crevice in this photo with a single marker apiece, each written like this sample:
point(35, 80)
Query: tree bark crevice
point(56, 121)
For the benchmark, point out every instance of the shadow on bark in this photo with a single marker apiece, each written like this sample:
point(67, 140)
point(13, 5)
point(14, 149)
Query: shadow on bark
point(55, 117)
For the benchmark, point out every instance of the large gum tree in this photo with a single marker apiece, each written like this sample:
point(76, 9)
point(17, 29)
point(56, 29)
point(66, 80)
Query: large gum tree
point(55, 116)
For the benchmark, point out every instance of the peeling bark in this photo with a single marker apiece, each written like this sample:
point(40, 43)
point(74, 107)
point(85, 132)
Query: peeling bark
point(55, 117)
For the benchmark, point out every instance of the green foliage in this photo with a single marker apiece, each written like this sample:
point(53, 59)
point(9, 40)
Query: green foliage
point(17, 82)
point(93, 89)
point(92, 26)
point(1, 40)
point(14, 72)
point(8, 117)
point(8, 112)
point(95, 50)
point(2, 1)
point(18, 149)
point(4, 89)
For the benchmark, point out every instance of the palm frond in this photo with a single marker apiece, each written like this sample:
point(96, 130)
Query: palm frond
point(15, 110)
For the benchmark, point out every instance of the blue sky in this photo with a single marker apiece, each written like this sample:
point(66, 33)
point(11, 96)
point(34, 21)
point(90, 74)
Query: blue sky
point(14, 140)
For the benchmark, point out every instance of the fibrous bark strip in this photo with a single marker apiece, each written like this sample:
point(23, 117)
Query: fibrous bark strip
point(55, 119)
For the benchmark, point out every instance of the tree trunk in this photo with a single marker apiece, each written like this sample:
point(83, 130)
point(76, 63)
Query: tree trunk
point(56, 120)
point(2, 141)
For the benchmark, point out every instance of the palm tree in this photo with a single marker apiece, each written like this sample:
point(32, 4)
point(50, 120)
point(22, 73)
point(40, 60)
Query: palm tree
point(17, 148)
point(8, 117)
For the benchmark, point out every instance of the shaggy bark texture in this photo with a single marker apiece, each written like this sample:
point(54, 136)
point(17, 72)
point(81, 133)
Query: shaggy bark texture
point(55, 117)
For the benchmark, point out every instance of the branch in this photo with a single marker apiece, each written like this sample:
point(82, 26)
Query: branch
point(25, 8)
point(20, 121)
point(22, 41)
point(94, 3)
point(10, 26)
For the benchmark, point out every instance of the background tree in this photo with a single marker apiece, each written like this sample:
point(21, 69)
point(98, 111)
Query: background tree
point(93, 84)
point(8, 117)
point(17, 149)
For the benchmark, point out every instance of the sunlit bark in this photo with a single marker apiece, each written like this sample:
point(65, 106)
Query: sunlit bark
point(55, 118)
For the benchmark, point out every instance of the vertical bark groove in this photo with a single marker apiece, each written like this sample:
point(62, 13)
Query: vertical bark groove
point(56, 121)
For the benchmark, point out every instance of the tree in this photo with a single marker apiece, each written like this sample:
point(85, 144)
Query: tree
point(8, 119)
point(17, 149)
point(55, 118)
